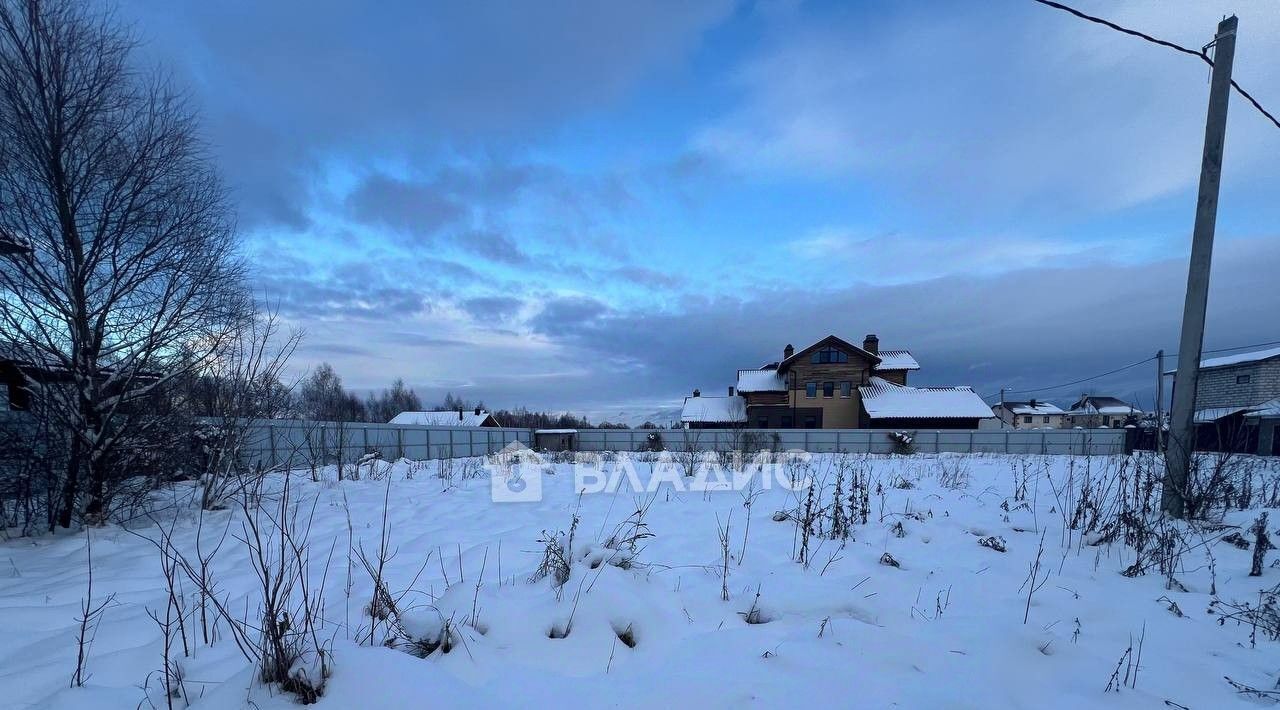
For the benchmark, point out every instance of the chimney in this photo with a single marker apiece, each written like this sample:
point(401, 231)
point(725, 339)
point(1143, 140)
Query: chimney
point(697, 393)
point(477, 411)
point(459, 414)
point(730, 390)
point(788, 351)
point(871, 344)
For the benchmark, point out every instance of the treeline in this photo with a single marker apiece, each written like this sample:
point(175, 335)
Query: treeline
point(322, 396)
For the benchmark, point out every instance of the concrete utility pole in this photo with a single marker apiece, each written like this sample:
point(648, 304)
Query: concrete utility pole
point(1182, 425)
point(1160, 400)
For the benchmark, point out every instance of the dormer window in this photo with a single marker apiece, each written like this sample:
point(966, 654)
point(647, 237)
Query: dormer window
point(827, 356)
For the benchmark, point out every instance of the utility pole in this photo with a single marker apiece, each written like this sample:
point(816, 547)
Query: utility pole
point(1159, 400)
point(1002, 412)
point(1182, 424)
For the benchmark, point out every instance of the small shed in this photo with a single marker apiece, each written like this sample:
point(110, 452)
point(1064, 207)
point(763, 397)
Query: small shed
point(555, 439)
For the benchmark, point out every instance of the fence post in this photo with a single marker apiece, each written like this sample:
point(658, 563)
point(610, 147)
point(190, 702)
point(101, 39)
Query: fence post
point(1044, 444)
point(970, 441)
point(806, 439)
point(838, 447)
point(271, 436)
point(1006, 441)
point(429, 456)
point(399, 444)
point(366, 440)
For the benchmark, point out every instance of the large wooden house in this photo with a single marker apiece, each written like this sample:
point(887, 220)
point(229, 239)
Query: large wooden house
point(834, 384)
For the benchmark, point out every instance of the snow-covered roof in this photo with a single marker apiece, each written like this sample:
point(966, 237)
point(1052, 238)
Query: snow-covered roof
point(555, 431)
point(896, 360)
point(1210, 415)
point(1029, 408)
point(441, 418)
point(714, 410)
point(885, 400)
point(1266, 409)
point(1237, 359)
point(761, 381)
point(1090, 405)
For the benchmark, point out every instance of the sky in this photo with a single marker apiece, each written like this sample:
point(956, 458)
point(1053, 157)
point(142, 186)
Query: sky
point(597, 207)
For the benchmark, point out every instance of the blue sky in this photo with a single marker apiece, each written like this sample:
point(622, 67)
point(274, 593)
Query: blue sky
point(598, 207)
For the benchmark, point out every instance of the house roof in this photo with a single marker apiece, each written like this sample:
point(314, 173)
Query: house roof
point(831, 341)
point(1096, 404)
point(896, 360)
point(885, 400)
point(1212, 414)
point(714, 410)
point(761, 381)
point(463, 419)
point(1036, 408)
point(1266, 410)
point(1237, 359)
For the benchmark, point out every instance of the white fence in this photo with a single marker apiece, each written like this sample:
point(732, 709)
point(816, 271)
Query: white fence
point(1083, 442)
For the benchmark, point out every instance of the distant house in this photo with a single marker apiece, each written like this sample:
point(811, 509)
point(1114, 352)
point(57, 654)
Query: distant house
point(1031, 414)
point(834, 384)
point(1093, 411)
point(701, 412)
point(1235, 398)
point(478, 417)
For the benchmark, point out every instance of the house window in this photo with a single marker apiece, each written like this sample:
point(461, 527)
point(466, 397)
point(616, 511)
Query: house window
point(810, 422)
point(1046, 420)
point(1026, 420)
point(1242, 379)
point(828, 390)
point(786, 422)
point(827, 356)
point(811, 389)
point(846, 389)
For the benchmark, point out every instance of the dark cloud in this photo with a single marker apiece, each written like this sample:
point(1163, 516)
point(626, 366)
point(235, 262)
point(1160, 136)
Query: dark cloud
point(491, 308)
point(287, 86)
point(1022, 330)
point(403, 206)
point(492, 246)
point(568, 316)
point(424, 340)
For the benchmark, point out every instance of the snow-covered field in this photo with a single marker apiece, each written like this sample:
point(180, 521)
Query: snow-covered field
point(950, 626)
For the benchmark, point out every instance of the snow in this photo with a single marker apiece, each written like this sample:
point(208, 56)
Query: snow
point(761, 381)
point(1266, 409)
point(1039, 408)
point(555, 431)
point(945, 629)
point(896, 360)
point(441, 418)
point(714, 409)
point(1212, 414)
point(1237, 359)
point(885, 400)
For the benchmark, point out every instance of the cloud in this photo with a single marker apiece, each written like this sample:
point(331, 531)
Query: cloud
point(488, 309)
point(995, 110)
point(492, 246)
point(287, 87)
point(404, 206)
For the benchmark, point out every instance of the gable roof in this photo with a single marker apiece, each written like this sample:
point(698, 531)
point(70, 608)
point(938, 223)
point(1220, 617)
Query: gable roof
point(761, 381)
point(896, 360)
point(714, 410)
point(464, 419)
point(1029, 408)
point(1094, 404)
point(883, 399)
point(831, 341)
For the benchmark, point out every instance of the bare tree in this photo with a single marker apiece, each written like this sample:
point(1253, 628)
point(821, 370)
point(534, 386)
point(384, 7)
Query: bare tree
point(131, 278)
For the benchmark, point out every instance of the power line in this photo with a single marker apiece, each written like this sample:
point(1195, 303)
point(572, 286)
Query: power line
point(1080, 381)
point(1122, 369)
point(1202, 54)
